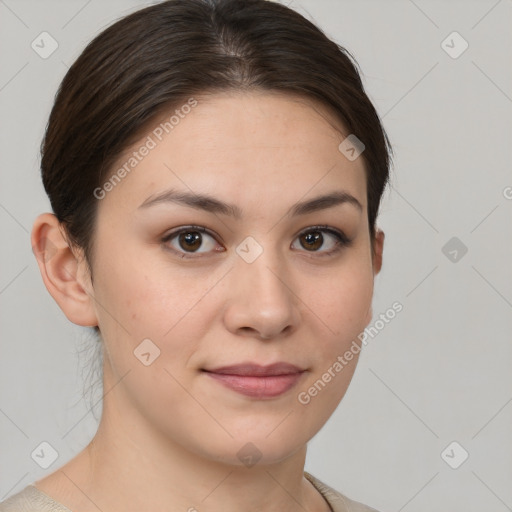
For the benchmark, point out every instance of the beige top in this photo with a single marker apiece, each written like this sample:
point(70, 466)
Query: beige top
point(31, 499)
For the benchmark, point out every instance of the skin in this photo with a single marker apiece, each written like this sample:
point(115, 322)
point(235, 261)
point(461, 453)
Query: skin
point(169, 428)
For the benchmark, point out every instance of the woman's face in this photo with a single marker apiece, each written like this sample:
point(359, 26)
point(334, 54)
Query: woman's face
point(252, 279)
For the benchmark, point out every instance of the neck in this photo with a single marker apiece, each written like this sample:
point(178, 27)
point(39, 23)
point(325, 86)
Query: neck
point(130, 466)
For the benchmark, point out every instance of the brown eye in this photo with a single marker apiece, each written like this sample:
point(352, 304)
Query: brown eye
point(312, 240)
point(323, 240)
point(191, 241)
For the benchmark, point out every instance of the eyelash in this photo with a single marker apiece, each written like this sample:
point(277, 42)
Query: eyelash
point(342, 240)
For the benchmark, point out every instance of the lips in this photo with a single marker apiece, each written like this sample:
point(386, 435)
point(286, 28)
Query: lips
point(256, 370)
point(258, 381)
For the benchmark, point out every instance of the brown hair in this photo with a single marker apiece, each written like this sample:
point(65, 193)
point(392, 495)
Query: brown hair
point(160, 56)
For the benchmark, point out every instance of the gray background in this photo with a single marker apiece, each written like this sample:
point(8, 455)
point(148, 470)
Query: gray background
point(439, 372)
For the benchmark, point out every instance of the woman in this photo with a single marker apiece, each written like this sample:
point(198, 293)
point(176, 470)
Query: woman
point(215, 171)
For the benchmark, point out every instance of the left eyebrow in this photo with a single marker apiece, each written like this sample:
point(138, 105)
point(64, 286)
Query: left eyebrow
point(324, 202)
point(211, 204)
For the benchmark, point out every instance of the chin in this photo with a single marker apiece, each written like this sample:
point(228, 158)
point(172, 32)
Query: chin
point(256, 447)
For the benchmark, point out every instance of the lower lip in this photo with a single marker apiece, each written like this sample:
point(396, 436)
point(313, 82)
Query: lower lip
point(260, 387)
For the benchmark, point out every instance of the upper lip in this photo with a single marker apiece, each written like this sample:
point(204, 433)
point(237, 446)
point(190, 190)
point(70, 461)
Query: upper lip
point(250, 369)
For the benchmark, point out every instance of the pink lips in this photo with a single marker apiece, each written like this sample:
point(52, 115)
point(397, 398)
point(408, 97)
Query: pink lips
point(258, 381)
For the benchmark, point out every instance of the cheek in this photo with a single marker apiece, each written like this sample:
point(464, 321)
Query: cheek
point(342, 307)
point(150, 317)
point(343, 302)
point(164, 316)
point(147, 299)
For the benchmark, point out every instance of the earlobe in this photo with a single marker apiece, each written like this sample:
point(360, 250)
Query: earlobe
point(378, 248)
point(63, 273)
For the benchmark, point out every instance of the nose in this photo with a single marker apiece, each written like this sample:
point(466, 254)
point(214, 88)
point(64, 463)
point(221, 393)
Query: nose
point(262, 302)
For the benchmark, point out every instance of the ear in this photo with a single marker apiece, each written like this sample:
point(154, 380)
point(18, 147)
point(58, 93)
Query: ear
point(65, 276)
point(378, 248)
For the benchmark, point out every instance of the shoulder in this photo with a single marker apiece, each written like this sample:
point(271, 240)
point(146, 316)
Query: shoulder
point(31, 499)
point(337, 501)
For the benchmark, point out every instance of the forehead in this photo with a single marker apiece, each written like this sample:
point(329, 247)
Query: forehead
point(238, 145)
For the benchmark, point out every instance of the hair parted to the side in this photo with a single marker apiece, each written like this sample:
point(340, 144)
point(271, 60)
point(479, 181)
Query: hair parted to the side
point(160, 56)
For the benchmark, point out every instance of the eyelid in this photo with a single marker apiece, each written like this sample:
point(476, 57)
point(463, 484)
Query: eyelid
point(190, 227)
point(342, 240)
point(329, 229)
point(183, 254)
